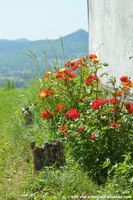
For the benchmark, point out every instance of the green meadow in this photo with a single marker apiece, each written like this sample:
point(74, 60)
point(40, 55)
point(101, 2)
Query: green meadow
point(17, 180)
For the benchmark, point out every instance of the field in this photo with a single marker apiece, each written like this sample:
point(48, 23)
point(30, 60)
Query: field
point(17, 180)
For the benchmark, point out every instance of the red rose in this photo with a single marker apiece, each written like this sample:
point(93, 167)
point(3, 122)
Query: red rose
point(72, 114)
point(93, 136)
point(92, 56)
point(129, 107)
point(75, 66)
point(90, 79)
point(124, 79)
point(114, 125)
point(98, 102)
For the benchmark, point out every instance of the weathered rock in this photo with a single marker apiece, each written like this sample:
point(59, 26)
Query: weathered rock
point(48, 154)
point(27, 115)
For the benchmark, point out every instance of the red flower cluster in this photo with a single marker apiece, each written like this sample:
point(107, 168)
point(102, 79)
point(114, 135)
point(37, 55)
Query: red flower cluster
point(93, 136)
point(45, 93)
point(98, 102)
point(72, 114)
point(126, 81)
point(76, 63)
point(112, 125)
point(92, 56)
point(46, 115)
point(65, 74)
point(90, 79)
point(60, 107)
point(129, 107)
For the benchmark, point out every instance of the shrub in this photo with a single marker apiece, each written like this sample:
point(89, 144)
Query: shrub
point(95, 120)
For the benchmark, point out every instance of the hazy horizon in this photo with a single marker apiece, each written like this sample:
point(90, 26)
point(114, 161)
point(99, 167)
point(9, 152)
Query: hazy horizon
point(41, 19)
point(44, 38)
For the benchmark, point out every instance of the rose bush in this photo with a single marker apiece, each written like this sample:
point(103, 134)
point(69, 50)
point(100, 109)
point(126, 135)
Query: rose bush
point(95, 120)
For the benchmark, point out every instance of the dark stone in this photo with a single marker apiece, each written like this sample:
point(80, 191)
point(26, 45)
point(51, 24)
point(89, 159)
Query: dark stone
point(27, 115)
point(51, 153)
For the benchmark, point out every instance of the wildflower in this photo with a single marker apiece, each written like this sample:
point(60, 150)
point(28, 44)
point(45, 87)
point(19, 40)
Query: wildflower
point(45, 93)
point(98, 102)
point(46, 115)
point(112, 125)
point(72, 114)
point(90, 79)
point(60, 107)
point(63, 128)
point(93, 136)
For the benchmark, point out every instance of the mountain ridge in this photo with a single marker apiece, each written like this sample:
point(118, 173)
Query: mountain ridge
point(79, 31)
point(16, 65)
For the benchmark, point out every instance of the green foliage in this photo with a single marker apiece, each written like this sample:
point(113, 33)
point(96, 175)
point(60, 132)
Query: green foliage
point(17, 180)
point(124, 173)
point(102, 134)
point(60, 183)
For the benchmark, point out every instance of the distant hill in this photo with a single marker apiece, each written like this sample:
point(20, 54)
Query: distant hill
point(15, 64)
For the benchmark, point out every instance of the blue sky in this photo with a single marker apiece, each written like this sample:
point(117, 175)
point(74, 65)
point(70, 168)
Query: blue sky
point(41, 19)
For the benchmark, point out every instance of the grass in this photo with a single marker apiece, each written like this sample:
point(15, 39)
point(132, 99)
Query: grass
point(17, 180)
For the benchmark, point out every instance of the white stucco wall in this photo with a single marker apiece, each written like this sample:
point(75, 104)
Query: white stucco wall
point(111, 34)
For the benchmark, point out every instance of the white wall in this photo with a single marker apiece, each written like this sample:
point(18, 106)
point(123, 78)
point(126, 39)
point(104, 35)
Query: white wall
point(111, 33)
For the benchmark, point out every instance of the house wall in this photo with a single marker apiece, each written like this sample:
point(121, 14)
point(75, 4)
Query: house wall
point(111, 34)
